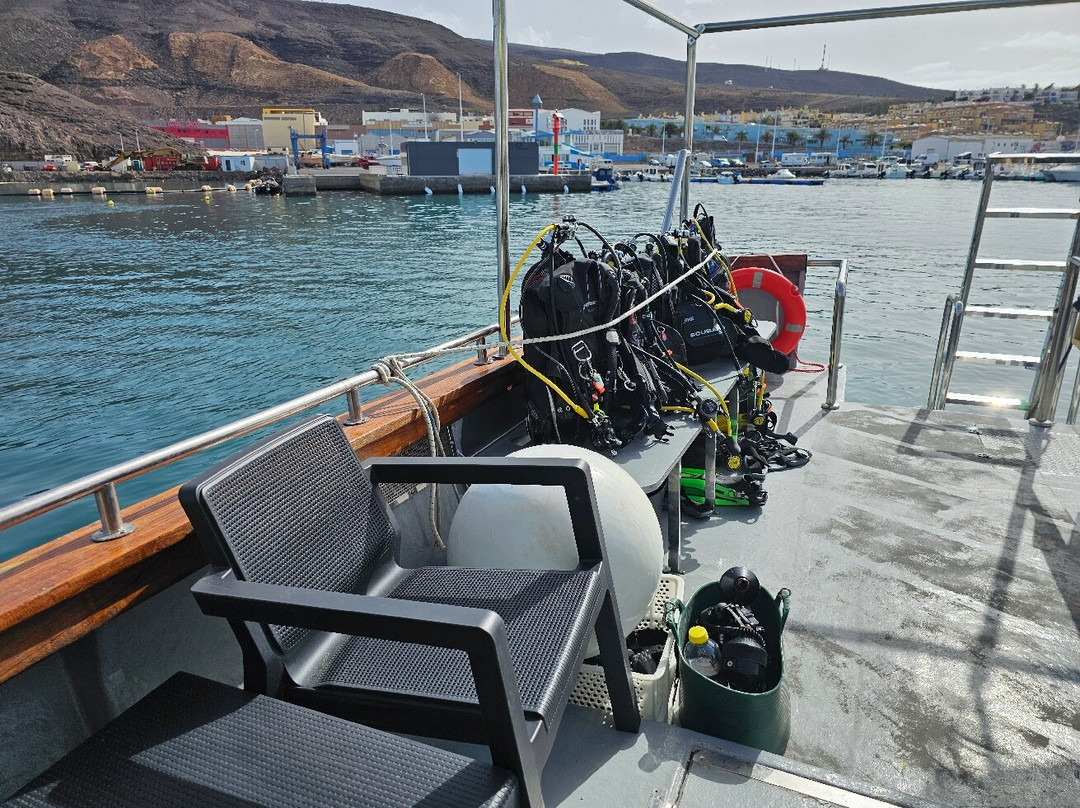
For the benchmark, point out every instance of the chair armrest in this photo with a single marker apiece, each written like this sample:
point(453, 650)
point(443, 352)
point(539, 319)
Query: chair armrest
point(478, 632)
point(570, 474)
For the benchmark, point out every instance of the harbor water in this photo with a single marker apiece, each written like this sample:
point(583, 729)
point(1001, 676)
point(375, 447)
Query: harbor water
point(126, 328)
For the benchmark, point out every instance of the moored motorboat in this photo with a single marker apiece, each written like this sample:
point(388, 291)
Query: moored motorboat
point(898, 171)
point(784, 177)
point(1062, 174)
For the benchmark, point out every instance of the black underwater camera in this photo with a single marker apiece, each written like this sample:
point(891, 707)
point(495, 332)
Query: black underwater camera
point(736, 630)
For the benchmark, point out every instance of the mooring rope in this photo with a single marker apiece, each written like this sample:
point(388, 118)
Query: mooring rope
point(389, 370)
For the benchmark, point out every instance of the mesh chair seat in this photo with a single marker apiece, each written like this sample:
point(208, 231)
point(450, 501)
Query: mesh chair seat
point(546, 613)
point(193, 742)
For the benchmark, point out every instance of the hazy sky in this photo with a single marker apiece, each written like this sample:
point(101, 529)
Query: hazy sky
point(954, 51)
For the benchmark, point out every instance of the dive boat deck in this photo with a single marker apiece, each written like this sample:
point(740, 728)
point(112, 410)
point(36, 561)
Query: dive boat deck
point(932, 649)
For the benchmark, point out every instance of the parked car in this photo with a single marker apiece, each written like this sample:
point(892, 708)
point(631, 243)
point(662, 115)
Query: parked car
point(89, 165)
point(49, 167)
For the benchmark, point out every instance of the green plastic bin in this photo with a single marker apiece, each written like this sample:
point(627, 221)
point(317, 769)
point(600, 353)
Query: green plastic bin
point(761, 720)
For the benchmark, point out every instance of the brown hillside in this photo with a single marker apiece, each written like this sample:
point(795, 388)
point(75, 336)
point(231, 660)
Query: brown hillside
point(573, 88)
point(226, 59)
point(111, 58)
point(37, 118)
point(420, 73)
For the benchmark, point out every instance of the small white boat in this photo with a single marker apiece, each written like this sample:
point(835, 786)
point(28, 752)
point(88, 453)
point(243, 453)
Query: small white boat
point(844, 168)
point(867, 170)
point(898, 171)
point(1062, 174)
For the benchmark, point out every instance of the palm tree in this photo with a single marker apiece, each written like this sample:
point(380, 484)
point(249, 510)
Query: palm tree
point(792, 137)
point(741, 137)
point(845, 141)
point(822, 134)
point(871, 139)
point(651, 129)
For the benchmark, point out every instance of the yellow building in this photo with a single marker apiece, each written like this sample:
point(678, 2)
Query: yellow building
point(277, 121)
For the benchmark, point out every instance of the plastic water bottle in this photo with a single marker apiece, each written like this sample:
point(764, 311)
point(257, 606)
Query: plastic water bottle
point(701, 653)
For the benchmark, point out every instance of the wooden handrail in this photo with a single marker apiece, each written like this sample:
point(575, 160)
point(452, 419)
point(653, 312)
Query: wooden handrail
point(54, 594)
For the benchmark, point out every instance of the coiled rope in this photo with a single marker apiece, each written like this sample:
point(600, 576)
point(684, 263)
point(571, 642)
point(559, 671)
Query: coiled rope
point(390, 371)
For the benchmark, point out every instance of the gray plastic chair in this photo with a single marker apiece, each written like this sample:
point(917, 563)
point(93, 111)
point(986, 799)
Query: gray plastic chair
point(303, 549)
point(193, 742)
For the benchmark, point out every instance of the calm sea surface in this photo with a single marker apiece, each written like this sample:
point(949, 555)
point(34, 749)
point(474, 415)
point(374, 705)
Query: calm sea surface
point(124, 329)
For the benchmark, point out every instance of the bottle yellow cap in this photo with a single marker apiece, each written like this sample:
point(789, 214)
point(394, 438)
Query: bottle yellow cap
point(698, 635)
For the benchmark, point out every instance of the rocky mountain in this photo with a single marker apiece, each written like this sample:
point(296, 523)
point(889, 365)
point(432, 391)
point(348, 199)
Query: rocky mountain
point(196, 58)
point(38, 118)
point(822, 82)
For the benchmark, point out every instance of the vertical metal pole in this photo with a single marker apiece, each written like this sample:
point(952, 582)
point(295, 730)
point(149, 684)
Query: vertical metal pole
point(1074, 402)
point(482, 357)
point(710, 470)
point(950, 355)
point(688, 123)
point(502, 158)
point(674, 519)
point(681, 170)
point(839, 298)
point(1051, 369)
point(976, 234)
point(953, 307)
point(356, 408)
point(113, 525)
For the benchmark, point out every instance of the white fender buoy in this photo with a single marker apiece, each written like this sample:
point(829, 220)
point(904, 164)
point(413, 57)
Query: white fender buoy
point(33, 192)
point(492, 189)
point(566, 189)
point(428, 191)
point(206, 188)
point(460, 190)
point(47, 193)
point(67, 191)
point(528, 527)
point(98, 190)
point(230, 188)
point(523, 189)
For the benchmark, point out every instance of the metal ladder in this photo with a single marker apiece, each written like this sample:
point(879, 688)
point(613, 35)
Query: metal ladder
point(1050, 363)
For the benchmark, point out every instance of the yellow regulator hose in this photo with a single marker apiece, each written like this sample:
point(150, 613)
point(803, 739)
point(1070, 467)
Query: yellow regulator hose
point(504, 319)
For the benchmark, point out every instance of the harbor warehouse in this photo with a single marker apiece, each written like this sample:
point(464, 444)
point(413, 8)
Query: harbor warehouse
point(457, 158)
point(278, 121)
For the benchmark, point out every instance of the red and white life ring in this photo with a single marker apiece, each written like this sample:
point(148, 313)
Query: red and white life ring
point(791, 305)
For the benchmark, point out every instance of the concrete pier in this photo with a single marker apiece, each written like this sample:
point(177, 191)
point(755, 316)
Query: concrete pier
point(403, 185)
point(301, 185)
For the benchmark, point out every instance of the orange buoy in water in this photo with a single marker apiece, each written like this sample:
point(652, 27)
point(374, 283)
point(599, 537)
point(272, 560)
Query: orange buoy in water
point(790, 306)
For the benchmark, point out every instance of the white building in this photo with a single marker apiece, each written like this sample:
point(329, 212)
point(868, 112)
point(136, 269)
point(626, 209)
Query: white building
point(233, 159)
point(584, 131)
point(404, 115)
point(947, 147)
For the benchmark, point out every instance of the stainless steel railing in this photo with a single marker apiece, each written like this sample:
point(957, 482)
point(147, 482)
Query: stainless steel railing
point(839, 299)
point(948, 337)
point(102, 484)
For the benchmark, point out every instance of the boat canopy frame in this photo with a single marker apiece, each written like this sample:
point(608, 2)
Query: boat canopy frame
point(500, 45)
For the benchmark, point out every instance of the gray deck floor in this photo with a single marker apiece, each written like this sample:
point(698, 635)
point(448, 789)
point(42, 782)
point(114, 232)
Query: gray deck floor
point(932, 649)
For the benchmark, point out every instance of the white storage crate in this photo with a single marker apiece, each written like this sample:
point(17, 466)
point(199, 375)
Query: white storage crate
point(653, 689)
